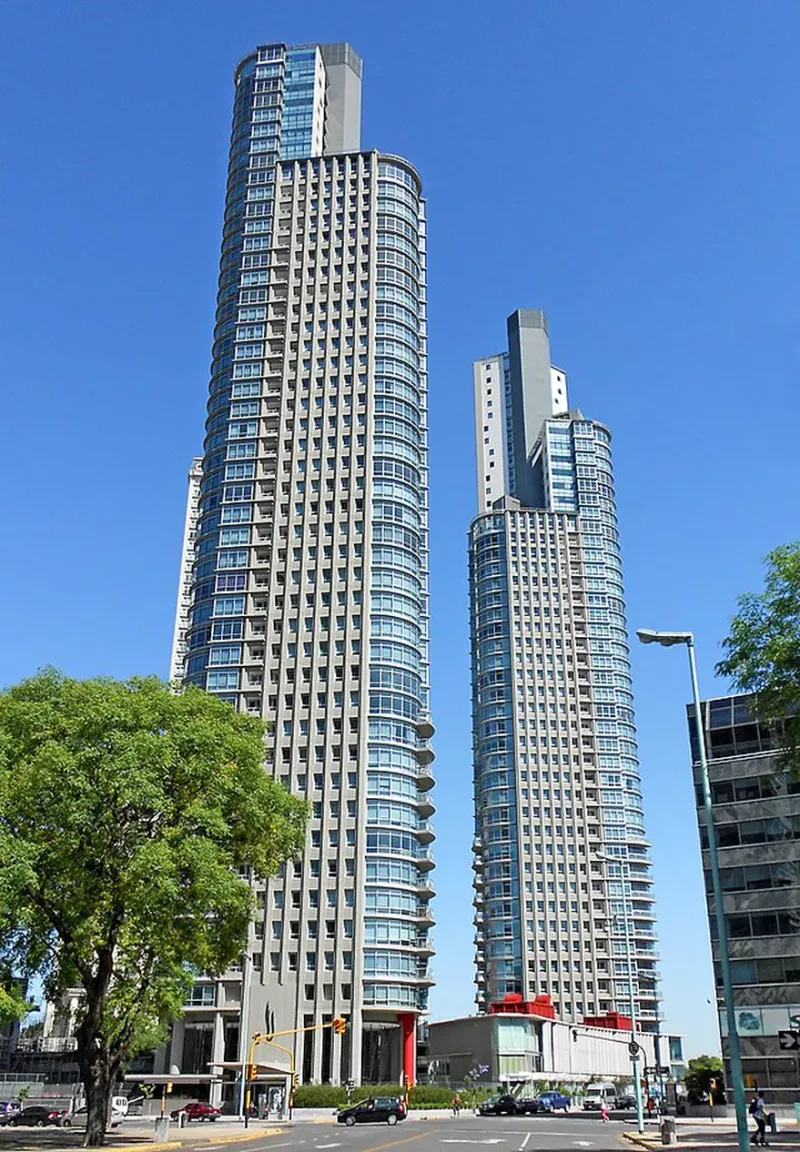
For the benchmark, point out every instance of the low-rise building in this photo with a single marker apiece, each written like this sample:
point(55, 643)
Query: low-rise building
point(756, 810)
point(519, 1047)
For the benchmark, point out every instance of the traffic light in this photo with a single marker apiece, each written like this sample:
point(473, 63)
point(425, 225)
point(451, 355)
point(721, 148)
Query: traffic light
point(250, 1072)
point(168, 1088)
point(339, 1025)
point(712, 1085)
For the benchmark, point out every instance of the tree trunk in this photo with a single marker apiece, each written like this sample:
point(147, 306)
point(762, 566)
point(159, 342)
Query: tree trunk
point(96, 1076)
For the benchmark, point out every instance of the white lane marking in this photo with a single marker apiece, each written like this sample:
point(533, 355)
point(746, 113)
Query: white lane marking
point(578, 1143)
point(495, 1141)
point(525, 1141)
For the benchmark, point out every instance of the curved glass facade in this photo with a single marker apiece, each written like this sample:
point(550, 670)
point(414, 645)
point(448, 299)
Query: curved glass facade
point(304, 596)
point(399, 680)
point(560, 855)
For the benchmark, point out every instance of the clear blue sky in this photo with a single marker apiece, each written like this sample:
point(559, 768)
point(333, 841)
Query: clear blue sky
point(632, 168)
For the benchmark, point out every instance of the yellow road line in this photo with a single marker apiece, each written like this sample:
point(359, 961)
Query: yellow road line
point(394, 1143)
point(252, 1134)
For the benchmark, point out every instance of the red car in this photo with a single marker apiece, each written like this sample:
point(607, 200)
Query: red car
point(197, 1110)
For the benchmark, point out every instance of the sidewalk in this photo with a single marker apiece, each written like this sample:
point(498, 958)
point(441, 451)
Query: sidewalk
point(703, 1132)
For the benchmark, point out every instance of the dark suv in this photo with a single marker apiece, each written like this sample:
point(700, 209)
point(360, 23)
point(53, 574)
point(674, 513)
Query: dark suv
point(504, 1105)
point(376, 1110)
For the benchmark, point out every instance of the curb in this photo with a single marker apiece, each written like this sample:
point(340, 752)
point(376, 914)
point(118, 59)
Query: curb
point(144, 1143)
point(640, 1141)
point(169, 1145)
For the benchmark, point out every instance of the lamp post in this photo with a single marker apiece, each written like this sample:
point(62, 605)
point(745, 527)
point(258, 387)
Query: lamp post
point(634, 1046)
point(667, 640)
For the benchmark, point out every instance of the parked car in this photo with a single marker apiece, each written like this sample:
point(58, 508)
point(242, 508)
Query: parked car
point(79, 1118)
point(504, 1105)
point(526, 1105)
point(8, 1108)
point(197, 1110)
point(375, 1110)
point(625, 1103)
point(599, 1095)
point(553, 1102)
point(37, 1116)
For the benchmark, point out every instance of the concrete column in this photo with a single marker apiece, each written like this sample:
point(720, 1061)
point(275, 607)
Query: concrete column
point(217, 1051)
point(356, 1042)
point(408, 1046)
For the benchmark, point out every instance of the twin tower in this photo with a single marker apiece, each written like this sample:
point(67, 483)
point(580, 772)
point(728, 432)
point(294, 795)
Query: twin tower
point(304, 600)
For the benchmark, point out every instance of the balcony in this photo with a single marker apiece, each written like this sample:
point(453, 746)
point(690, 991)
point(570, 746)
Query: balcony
point(425, 728)
point(425, 945)
point(425, 889)
point(425, 860)
point(425, 806)
point(424, 753)
point(425, 778)
point(424, 832)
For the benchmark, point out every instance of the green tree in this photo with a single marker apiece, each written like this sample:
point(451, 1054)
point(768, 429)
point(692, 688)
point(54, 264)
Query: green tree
point(700, 1071)
point(129, 814)
point(763, 650)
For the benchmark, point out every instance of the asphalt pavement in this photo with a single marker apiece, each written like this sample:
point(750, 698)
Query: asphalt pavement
point(485, 1133)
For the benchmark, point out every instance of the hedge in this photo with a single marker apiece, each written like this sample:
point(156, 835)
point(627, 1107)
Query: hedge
point(421, 1095)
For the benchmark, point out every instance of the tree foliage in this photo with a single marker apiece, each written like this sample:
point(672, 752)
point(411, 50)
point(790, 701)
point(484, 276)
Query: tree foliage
point(700, 1071)
point(128, 815)
point(763, 650)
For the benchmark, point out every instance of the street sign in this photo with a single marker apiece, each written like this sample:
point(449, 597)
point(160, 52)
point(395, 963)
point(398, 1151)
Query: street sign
point(633, 1048)
point(794, 1019)
point(789, 1041)
point(656, 1070)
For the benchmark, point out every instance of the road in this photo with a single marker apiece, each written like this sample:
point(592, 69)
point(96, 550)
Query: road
point(469, 1133)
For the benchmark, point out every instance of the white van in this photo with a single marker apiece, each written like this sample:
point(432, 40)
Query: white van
point(599, 1094)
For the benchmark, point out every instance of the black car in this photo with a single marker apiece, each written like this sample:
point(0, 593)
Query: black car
point(625, 1103)
point(36, 1116)
point(504, 1105)
point(527, 1105)
point(375, 1110)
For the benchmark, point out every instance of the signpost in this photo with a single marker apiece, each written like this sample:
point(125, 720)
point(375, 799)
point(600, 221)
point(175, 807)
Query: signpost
point(789, 1041)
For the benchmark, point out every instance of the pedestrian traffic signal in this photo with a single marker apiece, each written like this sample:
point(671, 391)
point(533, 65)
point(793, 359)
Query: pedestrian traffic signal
point(712, 1084)
point(339, 1025)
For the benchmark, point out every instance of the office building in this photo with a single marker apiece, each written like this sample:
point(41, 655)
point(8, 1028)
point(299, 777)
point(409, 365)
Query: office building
point(563, 877)
point(309, 577)
point(756, 809)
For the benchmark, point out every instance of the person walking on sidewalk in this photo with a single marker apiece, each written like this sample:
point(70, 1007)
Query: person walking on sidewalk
point(604, 1112)
point(759, 1115)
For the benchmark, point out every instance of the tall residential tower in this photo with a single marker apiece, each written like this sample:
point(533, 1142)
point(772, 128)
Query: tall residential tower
point(563, 876)
point(309, 582)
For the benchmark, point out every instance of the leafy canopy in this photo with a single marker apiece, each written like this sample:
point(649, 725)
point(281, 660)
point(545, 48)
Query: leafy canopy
point(700, 1071)
point(763, 650)
point(128, 814)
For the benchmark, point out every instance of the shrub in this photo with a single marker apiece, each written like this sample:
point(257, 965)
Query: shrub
point(421, 1095)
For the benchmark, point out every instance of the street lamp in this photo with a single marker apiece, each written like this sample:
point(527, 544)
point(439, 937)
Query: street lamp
point(667, 640)
point(634, 1047)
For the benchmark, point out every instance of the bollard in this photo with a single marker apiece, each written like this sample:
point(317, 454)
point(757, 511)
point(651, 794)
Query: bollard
point(161, 1130)
point(182, 1118)
point(668, 1133)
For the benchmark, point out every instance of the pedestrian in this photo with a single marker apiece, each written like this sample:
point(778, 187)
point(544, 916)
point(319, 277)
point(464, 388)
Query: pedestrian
point(604, 1112)
point(456, 1104)
point(759, 1115)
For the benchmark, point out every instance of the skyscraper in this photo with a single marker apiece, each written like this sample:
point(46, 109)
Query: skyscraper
point(563, 875)
point(309, 581)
